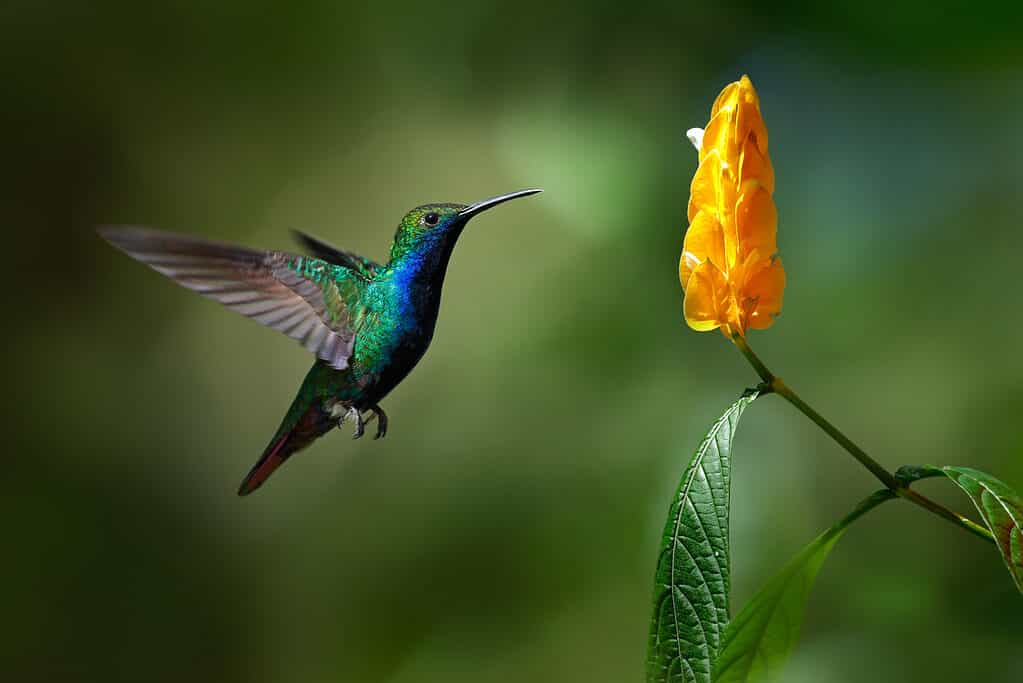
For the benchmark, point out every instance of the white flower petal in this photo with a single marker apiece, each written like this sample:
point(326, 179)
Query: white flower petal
point(695, 136)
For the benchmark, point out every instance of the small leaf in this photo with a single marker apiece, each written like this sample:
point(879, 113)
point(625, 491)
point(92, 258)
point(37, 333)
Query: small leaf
point(999, 506)
point(759, 640)
point(692, 581)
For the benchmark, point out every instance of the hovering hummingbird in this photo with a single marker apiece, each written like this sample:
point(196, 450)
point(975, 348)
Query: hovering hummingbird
point(368, 324)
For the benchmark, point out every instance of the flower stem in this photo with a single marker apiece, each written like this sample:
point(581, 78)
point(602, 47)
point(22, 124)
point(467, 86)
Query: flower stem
point(776, 385)
point(864, 506)
point(753, 359)
point(883, 475)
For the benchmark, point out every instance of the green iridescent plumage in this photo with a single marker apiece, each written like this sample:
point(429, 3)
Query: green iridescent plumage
point(368, 324)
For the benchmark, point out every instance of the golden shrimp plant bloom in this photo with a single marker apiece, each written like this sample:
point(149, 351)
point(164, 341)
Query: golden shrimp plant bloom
point(730, 271)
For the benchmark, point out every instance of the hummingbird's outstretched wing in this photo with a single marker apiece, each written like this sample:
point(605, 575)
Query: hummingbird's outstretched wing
point(317, 247)
point(309, 300)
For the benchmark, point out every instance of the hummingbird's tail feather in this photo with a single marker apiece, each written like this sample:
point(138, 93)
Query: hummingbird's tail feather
point(293, 436)
point(272, 458)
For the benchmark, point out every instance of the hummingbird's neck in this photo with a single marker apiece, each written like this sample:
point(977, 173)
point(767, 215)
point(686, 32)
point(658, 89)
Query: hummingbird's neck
point(418, 276)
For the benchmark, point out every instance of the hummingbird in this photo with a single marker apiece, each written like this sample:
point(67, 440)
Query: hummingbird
point(368, 324)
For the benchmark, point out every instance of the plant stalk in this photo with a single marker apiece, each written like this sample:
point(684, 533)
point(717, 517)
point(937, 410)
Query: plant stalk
point(865, 506)
point(776, 385)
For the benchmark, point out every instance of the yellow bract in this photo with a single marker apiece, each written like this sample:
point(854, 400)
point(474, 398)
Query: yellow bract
point(730, 271)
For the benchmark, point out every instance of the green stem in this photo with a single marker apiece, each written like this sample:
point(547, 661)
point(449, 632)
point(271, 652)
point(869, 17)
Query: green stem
point(776, 385)
point(865, 506)
point(883, 475)
point(942, 511)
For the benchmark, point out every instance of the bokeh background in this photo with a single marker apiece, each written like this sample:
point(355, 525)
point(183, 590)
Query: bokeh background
point(506, 529)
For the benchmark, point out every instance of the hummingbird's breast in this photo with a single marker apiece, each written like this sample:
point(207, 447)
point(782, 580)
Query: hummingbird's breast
point(397, 328)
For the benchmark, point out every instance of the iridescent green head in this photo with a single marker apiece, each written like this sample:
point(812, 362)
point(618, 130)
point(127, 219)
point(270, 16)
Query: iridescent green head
point(434, 228)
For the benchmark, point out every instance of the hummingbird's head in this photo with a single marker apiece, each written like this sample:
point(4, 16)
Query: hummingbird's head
point(433, 228)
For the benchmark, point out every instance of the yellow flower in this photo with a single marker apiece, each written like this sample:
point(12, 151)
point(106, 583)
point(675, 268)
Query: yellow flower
point(730, 272)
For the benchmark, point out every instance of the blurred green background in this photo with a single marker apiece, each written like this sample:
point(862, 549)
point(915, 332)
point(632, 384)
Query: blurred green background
point(506, 529)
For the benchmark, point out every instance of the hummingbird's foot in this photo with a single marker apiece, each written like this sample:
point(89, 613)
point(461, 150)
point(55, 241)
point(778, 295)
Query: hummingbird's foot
point(353, 414)
point(360, 426)
point(381, 421)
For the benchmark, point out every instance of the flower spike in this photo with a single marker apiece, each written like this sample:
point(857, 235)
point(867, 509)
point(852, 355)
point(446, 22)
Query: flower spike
point(730, 271)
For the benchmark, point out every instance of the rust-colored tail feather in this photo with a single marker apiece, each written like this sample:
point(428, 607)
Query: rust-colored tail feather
point(312, 425)
point(272, 458)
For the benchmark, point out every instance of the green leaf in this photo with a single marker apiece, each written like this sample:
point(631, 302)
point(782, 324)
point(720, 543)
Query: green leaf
point(692, 581)
point(758, 642)
point(999, 506)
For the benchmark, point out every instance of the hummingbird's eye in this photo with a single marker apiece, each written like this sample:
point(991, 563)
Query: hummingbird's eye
point(431, 219)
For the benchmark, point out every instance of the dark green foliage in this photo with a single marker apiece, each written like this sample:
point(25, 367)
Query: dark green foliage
point(692, 584)
point(691, 638)
point(760, 639)
point(999, 506)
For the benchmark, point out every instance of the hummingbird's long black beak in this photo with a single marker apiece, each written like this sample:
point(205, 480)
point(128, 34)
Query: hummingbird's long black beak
point(479, 207)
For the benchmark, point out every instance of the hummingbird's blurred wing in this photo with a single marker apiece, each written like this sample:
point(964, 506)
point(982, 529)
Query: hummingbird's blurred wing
point(320, 249)
point(307, 299)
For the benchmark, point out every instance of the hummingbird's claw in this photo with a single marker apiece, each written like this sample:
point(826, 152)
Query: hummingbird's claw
point(353, 414)
point(381, 421)
point(360, 427)
point(337, 412)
